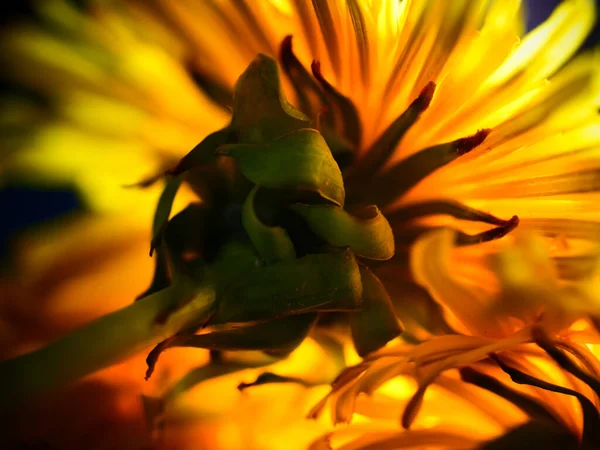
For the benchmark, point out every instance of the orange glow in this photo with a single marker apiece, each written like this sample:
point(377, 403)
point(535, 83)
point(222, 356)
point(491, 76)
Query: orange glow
point(128, 85)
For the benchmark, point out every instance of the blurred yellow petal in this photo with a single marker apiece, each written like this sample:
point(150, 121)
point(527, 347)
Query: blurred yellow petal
point(131, 87)
point(547, 47)
point(434, 267)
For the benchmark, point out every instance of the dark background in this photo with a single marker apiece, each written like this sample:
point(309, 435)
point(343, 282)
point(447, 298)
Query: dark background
point(22, 207)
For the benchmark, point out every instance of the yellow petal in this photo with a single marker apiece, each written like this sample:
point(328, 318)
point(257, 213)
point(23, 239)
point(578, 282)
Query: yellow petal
point(433, 267)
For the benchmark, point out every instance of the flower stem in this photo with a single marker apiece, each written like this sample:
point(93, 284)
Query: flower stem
point(105, 341)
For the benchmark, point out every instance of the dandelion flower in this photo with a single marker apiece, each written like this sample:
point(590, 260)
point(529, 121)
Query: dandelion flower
point(408, 117)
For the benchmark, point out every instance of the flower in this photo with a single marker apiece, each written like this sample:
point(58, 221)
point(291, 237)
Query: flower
point(499, 304)
point(445, 133)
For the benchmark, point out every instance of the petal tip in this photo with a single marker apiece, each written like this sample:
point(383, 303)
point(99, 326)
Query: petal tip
point(426, 94)
point(465, 145)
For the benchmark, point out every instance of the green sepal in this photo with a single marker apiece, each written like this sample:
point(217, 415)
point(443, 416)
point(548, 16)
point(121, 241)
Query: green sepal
point(261, 111)
point(368, 234)
point(281, 336)
point(204, 153)
point(311, 98)
point(163, 210)
point(273, 378)
point(441, 207)
point(380, 151)
point(407, 235)
point(185, 239)
point(308, 93)
point(217, 184)
point(271, 242)
point(299, 161)
point(161, 278)
point(260, 114)
point(346, 115)
point(405, 174)
point(318, 282)
point(376, 323)
point(233, 260)
point(342, 150)
point(188, 230)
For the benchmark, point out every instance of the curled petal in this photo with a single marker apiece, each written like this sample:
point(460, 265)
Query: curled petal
point(434, 268)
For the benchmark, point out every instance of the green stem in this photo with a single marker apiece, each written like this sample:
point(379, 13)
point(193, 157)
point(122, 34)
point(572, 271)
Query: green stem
point(105, 341)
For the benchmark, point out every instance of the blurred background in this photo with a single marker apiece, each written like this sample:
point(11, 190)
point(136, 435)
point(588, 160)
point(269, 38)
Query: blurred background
point(23, 207)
